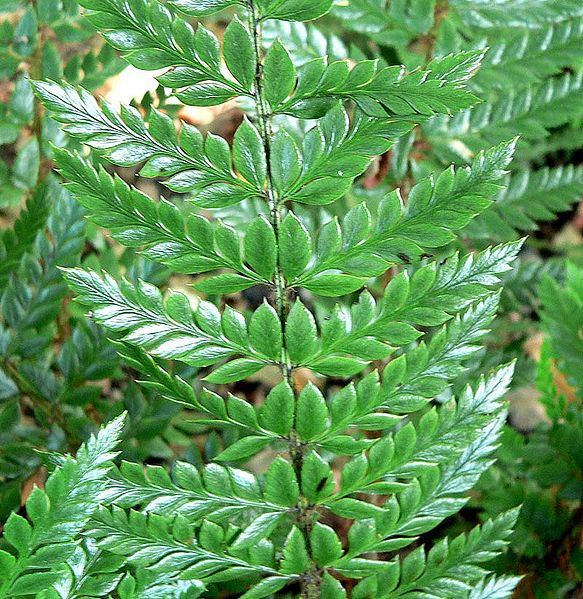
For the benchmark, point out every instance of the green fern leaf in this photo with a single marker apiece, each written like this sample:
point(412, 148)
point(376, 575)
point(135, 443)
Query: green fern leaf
point(450, 567)
point(193, 531)
point(515, 13)
point(58, 515)
point(409, 381)
point(528, 112)
point(165, 546)
point(189, 162)
point(168, 329)
point(404, 233)
point(429, 298)
point(562, 314)
point(32, 297)
point(151, 37)
point(378, 91)
point(529, 197)
point(16, 242)
point(187, 244)
point(519, 60)
point(219, 494)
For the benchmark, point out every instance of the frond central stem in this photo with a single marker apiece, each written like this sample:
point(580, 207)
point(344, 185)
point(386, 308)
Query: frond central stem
point(311, 582)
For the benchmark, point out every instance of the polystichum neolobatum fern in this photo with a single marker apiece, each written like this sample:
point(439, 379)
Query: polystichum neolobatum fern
point(404, 464)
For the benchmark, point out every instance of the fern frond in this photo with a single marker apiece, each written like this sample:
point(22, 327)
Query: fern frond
point(562, 314)
point(529, 197)
point(32, 296)
point(528, 112)
point(409, 382)
point(268, 9)
point(214, 410)
point(58, 514)
point(152, 37)
point(438, 438)
point(187, 244)
point(451, 567)
point(189, 162)
point(358, 249)
point(170, 545)
point(403, 233)
point(170, 329)
point(170, 387)
point(437, 495)
point(19, 240)
point(529, 14)
point(429, 298)
point(219, 494)
point(151, 585)
point(420, 506)
point(425, 371)
point(378, 91)
point(519, 60)
point(186, 532)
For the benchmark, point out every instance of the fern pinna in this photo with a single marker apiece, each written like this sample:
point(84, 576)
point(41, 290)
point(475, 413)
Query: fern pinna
point(404, 463)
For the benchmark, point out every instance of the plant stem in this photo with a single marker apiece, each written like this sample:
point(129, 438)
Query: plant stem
point(265, 130)
point(311, 582)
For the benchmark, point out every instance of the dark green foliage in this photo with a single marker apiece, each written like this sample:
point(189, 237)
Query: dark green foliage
point(58, 515)
point(563, 318)
point(543, 471)
point(53, 360)
point(530, 197)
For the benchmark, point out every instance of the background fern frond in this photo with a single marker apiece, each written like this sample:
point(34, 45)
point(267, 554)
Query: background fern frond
point(58, 515)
